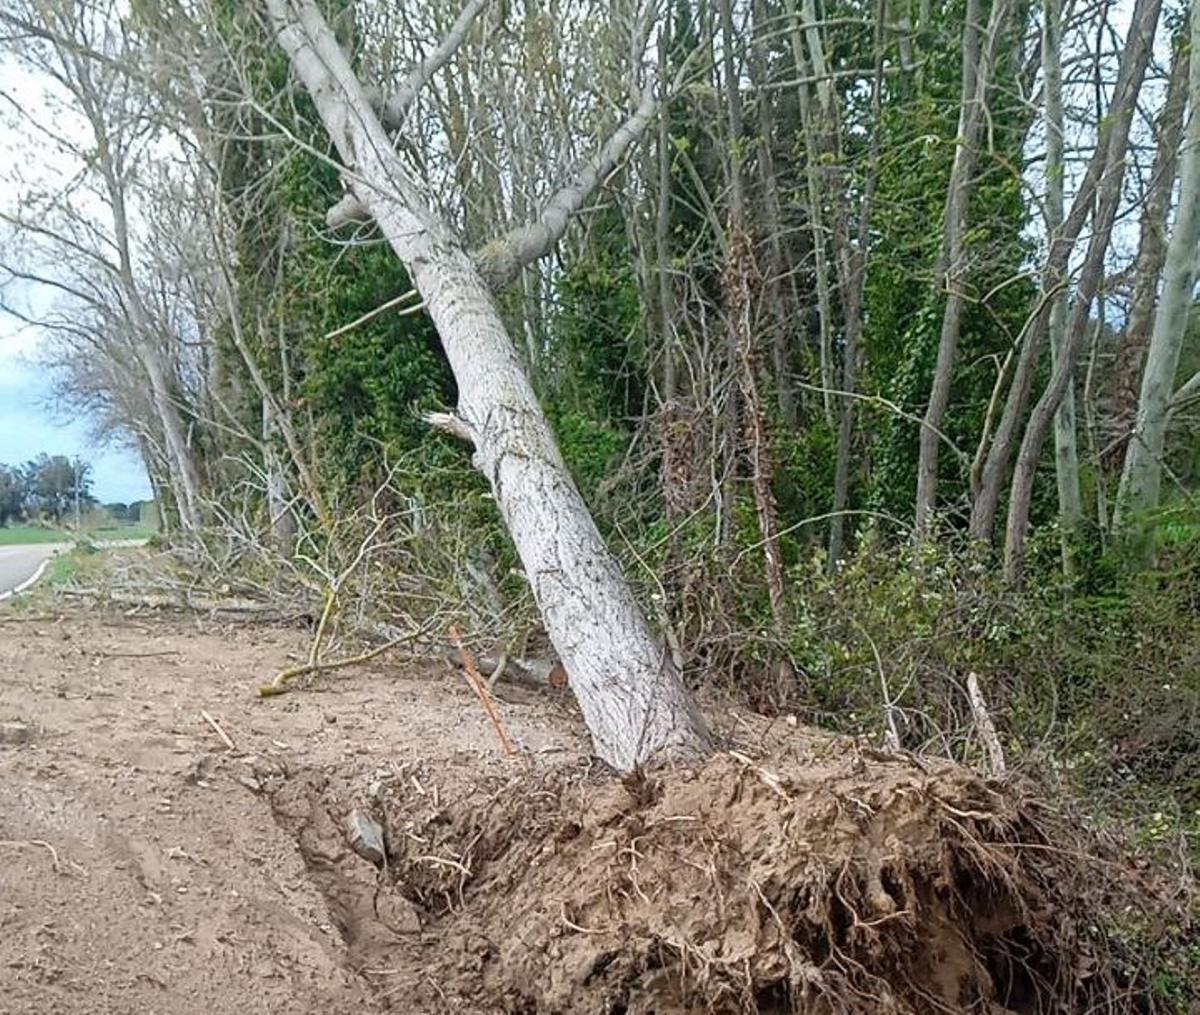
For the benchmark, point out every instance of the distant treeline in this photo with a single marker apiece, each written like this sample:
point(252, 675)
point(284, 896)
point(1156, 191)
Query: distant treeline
point(49, 488)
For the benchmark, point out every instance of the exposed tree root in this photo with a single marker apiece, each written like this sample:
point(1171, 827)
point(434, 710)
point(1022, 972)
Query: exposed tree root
point(281, 683)
point(858, 886)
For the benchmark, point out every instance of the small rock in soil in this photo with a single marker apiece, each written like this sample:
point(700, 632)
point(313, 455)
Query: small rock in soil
point(366, 837)
point(397, 913)
point(15, 732)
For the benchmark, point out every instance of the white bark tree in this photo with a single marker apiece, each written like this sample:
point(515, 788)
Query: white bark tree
point(633, 700)
point(1066, 454)
point(1115, 138)
point(1141, 480)
point(88, 57)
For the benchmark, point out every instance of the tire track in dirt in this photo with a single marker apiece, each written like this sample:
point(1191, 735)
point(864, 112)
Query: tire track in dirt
point(146, 868)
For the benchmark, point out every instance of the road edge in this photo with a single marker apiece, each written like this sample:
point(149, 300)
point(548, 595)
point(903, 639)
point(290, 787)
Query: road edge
point(16, 590)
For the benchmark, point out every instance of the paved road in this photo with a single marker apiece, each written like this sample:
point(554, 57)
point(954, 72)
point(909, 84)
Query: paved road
point(18, 564)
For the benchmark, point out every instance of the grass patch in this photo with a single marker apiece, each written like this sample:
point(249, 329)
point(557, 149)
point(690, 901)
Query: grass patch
point(24, 535)
point(65, 567)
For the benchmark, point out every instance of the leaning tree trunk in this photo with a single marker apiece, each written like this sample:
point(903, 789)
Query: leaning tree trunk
point(979, 57)
point(184, 480)
point(1108, 197)
point(1106, 161)
point(633, 700)
point(182, 468)
point(1141, 480)
point(1066, 453)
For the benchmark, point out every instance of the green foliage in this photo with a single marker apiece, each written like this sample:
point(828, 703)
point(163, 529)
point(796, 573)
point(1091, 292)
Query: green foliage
point(367, 387)
point(46, 487)
point(594, 381)
point(804, 477)
point(357, 397)
point(589, 445)
point(66, 567)
point(1099, 689)
point(597, 341)
point(903, 311)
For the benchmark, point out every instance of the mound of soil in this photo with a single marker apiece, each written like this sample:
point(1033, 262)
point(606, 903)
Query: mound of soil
point(865, 884)
point(147, 864)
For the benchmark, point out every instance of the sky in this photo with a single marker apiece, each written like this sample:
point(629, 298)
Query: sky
point(29, 421)
point(30, 425)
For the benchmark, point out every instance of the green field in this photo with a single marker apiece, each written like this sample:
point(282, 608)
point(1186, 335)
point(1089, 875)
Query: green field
point(22, 535)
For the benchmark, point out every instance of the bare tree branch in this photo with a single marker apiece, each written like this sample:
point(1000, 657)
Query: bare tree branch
point(501, 260)
point(396, 107)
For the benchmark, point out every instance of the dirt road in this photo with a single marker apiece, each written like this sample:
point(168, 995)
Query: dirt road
point(172, 844)
point(142, 865)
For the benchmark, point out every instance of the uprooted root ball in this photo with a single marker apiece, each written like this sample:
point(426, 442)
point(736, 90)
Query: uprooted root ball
point(861, 886)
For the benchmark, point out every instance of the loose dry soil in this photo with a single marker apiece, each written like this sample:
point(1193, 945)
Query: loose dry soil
point(145, 866)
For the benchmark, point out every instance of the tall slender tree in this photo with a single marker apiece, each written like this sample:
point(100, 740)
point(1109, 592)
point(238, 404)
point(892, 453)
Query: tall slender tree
point(1141, 480)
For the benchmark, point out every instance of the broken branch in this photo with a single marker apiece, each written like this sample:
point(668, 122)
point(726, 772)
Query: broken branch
point(501, 260)
point(985, 726)
point(225, 737)
point(348, 210)
point(476, 682)
point(394, 109)
point(279, 684)
point(454, 425)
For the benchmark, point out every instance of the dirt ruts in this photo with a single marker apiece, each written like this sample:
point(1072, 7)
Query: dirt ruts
point(147, 866)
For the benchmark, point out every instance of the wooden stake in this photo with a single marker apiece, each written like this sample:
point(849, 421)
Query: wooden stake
point(985, 726)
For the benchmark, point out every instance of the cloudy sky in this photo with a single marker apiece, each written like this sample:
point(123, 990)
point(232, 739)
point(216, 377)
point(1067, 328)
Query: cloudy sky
point(30, 425)
point(29, 421)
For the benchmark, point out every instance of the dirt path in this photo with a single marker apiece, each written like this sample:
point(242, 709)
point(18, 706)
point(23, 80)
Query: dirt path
point(142, 867)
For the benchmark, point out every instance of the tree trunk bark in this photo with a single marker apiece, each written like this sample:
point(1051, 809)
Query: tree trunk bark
point(179, 456)
point(666, 305)
point(852, 312)
point(1141, 481)
point(182, 467)
point(1090, 422)
point(279, 511)
point(1108, 197)
point(633, 700)
point(979, 56)
point(1066, 454)
point(737, 285)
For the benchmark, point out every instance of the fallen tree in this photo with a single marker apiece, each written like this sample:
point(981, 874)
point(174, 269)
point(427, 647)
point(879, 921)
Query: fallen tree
point(633, 700)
